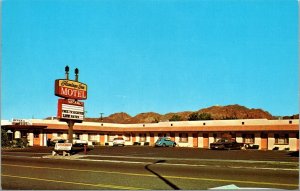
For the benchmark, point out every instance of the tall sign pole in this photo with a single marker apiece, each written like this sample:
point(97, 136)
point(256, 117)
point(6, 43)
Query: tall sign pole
point(70, 109)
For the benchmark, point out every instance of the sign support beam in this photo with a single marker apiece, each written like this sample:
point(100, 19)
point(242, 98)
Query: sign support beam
point(70, 130)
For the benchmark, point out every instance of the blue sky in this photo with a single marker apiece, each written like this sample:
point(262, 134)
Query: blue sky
point(157, 55)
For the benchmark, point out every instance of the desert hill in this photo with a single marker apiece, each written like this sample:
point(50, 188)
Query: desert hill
point(216, 113)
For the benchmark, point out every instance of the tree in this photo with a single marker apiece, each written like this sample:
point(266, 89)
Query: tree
point(199, 116)
point(193, 116)
point(175, 118)
point(4, 138)
point(205, 116)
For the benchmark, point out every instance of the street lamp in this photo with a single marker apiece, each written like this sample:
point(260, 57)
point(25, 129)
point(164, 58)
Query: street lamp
point(67, 72)
point(10, 134)
point(76, 74)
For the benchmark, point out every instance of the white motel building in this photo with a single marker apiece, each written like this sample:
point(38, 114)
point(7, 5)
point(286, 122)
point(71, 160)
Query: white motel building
point(267, 134)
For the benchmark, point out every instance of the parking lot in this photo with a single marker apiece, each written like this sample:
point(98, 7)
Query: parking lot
point(179, 152)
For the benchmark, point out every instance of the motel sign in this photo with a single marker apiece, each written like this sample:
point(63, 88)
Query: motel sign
point(69, 109)
point(70, 89)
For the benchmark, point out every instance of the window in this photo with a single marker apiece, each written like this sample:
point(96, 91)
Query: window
point(127, 137)
point(281, 139)
point(92, 137)
point(110, 138)
point(215, 137)
point(36, 134)
point(59, 134)
point(76, 136)
point(248, 138)
point(142, 137)
point(183, 137)
point(24, 134)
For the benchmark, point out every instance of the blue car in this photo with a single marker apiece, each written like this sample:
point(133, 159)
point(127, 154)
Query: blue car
point(165, 142)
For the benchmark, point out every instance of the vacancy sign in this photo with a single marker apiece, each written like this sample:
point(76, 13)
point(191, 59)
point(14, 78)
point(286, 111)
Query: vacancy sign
point(70, 89)
point(70, 109)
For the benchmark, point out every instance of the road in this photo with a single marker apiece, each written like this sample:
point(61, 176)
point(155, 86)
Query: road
point(134, 168)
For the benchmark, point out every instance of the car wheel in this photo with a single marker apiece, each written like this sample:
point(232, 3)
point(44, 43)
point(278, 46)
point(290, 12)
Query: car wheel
point(174, 145)
point(164, 145)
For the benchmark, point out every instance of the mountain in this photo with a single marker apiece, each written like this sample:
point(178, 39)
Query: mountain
point(216, 112)
point(235, 112)
point(121, 117)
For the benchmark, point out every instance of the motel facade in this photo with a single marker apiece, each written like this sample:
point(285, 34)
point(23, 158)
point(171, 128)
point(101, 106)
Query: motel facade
point(266, 134)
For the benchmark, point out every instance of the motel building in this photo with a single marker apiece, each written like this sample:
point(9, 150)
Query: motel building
point(264, 133)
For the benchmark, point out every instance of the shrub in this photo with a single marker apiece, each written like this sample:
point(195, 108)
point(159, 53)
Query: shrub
point(199, 116)
point(4, 138)
point(175, 118)
point(20, 142)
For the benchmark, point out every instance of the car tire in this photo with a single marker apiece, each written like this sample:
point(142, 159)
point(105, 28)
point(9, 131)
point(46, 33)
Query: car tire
point(174, 145)
point(164, 145)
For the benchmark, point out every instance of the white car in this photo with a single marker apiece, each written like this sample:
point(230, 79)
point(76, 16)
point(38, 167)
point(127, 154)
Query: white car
point(81, 143)
point(118, 141)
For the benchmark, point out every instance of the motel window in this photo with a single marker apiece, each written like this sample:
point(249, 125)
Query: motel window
point(59, 134)
point(127, 137)
point(36, 134)
point(281, 139)
point(143, 137)
point(248, 138)
point(215, 137)
point(183, 137)
point(92, 137)
point(24, 134)
point(76, 136)
point(110, 138)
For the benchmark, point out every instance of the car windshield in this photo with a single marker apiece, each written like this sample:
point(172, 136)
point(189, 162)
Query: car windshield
point(222, 141)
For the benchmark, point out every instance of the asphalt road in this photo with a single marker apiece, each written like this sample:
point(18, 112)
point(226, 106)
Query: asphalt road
point(136, 168)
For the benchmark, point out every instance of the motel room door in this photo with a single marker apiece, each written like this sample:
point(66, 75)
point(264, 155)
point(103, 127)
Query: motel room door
point(205, 141)
point(151, 139)
point(264, 141)
point(36, 138)
point(195, 140)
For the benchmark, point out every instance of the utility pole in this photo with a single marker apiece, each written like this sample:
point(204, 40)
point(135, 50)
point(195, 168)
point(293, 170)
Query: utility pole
point(101, 116)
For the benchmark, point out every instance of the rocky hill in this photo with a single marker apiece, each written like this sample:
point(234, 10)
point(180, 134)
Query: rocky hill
point(235, 112)
point(216, 113)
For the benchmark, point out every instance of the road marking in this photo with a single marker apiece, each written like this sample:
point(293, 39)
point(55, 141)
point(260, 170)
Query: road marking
point(82, 158)
point(151, 175)
point(191, 159)
point(234, 181)
point(76, 183)
point(167, 158)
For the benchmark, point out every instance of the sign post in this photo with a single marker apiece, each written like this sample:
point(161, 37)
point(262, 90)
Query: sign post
point(70, 131)
point(70, 109)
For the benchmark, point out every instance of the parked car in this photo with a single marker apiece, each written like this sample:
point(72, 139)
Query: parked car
point(226, 144)
point(54, 141)
point(165, 142)
point(118, 141)
point(81, 143)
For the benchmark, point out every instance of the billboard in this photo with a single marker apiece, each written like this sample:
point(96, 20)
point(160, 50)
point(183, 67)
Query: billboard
point(70, 89)
point(70, 109)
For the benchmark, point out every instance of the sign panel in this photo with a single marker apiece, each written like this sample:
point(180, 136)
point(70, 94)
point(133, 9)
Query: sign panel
point(63, 146)
point(70, 89)
point(70, 109)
